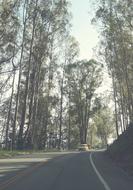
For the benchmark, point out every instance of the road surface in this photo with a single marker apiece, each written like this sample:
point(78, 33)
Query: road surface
point(59, 171)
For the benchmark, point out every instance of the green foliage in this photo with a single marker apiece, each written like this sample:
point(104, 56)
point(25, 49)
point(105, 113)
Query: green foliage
point(84, 78)
point(105, 124)
point(10, 154)
point(54, 94)
point(102, 130)
point(116, 23)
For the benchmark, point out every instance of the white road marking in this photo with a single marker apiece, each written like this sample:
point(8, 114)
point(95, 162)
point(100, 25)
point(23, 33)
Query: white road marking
point(106, 186)
point(1, 175)
point(23, 160)
point(4, 170)
point(13, 167)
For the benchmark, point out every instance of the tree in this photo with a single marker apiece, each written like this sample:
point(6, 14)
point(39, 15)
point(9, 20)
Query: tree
point(71, 51)
point(104, 122)
point(85, 79)
point(115, 17)
point(31, 33)
point(54, 20)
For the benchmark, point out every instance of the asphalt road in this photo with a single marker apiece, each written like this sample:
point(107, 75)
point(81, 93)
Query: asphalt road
point(70, 171)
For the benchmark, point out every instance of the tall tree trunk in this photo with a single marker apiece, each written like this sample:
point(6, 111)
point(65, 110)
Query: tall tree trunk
point(19, 78)
point(33, 129)
point(9, 112)
point(69, 123)
point(115, 102)
point(24, 109)
point(61, 111)
point(31, 104)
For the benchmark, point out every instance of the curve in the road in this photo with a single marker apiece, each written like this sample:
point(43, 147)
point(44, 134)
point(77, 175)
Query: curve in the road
point(106, 186)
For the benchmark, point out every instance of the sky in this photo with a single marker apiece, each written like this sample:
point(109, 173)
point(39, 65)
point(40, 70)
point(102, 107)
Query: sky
point(82, 29)
point(87, 35)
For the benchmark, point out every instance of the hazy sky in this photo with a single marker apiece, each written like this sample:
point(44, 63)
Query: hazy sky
point(83, 30)
point(87, 35)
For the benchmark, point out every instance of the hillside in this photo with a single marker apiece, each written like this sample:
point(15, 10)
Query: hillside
point(121, 151)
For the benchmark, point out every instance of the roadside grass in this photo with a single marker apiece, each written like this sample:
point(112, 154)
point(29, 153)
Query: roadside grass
point(10, 154)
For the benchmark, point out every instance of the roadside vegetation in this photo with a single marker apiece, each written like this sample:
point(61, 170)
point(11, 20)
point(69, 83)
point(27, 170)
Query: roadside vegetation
point(11, 154)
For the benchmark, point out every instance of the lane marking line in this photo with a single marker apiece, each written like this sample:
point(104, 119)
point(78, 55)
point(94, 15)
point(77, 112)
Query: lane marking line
point(2, 175)
point(106, 186)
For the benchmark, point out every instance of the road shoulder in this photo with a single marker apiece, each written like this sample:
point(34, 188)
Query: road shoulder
point(113, 174)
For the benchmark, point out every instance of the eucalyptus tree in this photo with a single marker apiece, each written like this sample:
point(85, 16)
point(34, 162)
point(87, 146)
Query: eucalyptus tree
point(9, 47)
point(69, 54)
point(104, 123)
point(116, 19)
point(30, 34)
point(85, 79)
point(47, 21)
